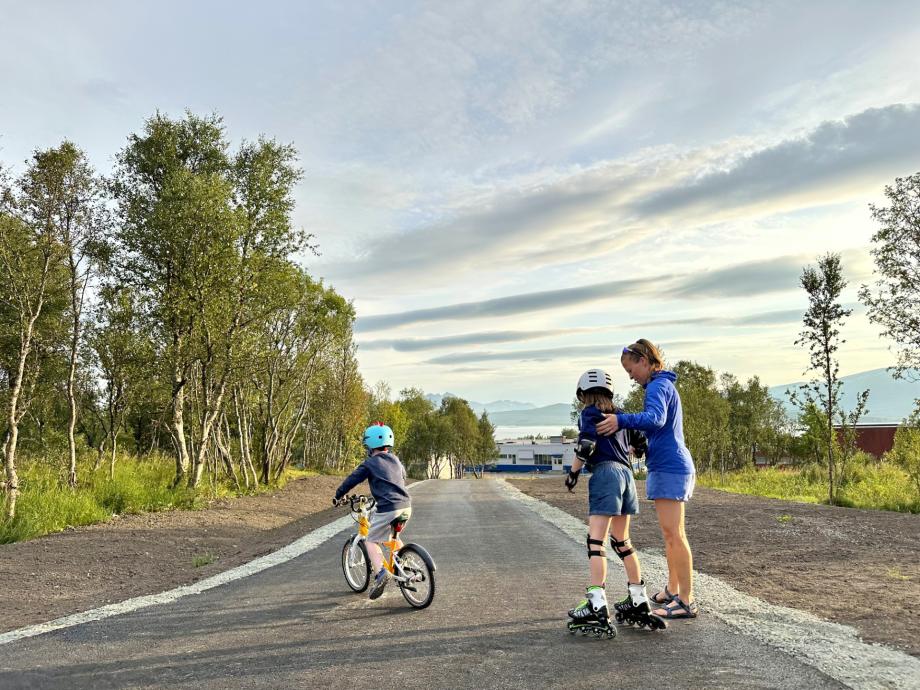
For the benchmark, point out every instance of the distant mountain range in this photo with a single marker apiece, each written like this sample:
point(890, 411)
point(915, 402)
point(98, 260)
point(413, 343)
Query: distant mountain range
point(890, 401)
point(490, 407)
point(550, 415)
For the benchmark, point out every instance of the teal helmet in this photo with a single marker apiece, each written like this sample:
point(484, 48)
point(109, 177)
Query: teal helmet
point(377, 436)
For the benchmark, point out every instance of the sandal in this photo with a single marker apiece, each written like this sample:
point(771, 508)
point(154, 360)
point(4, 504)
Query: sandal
point(678, 608)
point(665, 597)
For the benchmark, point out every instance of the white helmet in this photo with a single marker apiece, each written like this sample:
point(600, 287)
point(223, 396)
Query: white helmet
point(595, 378)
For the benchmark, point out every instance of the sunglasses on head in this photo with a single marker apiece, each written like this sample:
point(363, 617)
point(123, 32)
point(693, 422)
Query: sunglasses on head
point(632, 352)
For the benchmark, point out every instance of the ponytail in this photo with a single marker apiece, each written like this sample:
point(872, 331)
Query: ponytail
point(644, 348)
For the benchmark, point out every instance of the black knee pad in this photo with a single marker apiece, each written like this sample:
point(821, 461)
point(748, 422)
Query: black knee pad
point(600, 553)
point(622, 548)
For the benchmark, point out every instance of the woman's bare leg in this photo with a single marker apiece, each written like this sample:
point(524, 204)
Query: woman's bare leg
point(677, 548)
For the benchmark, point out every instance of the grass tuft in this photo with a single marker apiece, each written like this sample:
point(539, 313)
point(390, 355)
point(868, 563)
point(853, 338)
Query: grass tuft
point(203, 560)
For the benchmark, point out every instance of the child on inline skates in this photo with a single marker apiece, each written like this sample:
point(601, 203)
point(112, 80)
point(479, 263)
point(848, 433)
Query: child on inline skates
point(387, 479)
point(611, 500)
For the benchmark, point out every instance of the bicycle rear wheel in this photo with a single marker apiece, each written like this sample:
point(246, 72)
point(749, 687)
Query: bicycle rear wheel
point(357, 569)
point(419, 589)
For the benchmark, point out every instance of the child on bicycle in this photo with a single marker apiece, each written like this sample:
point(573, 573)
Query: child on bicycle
point(611, 500)
point(387, 479)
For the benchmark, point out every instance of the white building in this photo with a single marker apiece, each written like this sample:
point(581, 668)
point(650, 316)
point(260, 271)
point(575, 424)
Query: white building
point(540, 455)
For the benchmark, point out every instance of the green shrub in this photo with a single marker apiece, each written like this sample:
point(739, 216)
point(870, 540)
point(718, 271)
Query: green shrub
point(880, 486)
point(906, 454)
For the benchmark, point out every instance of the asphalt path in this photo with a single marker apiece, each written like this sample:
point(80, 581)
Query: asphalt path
point(505, 580)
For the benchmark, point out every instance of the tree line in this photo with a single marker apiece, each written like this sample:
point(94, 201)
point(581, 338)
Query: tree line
point(163, 307)
point(447, 440)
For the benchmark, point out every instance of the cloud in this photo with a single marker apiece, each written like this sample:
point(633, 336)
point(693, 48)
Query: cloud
point(833, 155)
point(615, 204)
point(514, 304)
point(523, 220)
point(770, 318)
point(739, 280)
point(416, 344)
point(459, 79)
point(742, 280)
point(767, 318)
point(545, 354)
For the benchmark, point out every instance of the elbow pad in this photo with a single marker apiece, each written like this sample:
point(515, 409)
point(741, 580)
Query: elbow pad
point(584, 449)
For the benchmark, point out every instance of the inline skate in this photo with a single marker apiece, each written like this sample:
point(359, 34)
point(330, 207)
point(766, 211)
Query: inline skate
point(634, 609)
point(591, 616)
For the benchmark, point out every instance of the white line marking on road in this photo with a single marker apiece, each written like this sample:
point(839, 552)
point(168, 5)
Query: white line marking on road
point(306, 543)
point(832, 648)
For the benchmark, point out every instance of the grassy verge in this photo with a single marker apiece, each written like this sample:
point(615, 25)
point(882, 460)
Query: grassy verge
point(46, 504)
point(867, 486)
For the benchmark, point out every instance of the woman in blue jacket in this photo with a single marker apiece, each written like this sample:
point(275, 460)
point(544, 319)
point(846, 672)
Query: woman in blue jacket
point(671, 475)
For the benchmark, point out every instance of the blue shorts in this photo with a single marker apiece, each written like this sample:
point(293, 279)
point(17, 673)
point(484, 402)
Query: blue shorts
point(678, 487)
point(612, 490)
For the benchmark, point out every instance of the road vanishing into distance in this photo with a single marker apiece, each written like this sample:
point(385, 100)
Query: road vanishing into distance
point(506, 577)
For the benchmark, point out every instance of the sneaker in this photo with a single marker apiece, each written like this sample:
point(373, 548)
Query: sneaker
point(380, 582)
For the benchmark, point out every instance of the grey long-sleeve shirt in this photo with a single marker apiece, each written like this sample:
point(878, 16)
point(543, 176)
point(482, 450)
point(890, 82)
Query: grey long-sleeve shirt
point(387, 478)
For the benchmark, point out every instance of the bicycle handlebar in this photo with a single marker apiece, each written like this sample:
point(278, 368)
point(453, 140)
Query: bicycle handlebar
point(356, 501)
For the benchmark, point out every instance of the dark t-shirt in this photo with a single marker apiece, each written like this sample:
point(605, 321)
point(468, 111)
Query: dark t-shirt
point(613, 448)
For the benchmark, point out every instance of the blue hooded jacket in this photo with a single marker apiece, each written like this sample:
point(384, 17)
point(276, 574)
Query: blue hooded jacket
point(662, 420)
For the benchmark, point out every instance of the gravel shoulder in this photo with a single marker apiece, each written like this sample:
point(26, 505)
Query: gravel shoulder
point(856, 567)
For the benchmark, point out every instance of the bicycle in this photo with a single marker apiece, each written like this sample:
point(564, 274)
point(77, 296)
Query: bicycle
point(410, 565)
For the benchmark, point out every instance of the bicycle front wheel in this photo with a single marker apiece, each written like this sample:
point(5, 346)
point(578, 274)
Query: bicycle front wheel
point(356, 566)
point(418, 588)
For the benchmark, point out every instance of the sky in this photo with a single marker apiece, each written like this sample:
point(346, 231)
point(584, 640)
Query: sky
point(510, 192)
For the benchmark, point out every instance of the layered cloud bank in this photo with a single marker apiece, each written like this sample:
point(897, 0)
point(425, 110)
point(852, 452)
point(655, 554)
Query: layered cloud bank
point(509, 191)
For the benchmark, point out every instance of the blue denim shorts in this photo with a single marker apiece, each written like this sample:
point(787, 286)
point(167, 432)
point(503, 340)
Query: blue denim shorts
point(612, 490)
point(678, 487)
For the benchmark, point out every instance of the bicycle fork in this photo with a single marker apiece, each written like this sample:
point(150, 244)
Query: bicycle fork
point(363, 530)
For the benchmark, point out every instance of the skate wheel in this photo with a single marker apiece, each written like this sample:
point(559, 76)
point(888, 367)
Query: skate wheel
point(611, 633)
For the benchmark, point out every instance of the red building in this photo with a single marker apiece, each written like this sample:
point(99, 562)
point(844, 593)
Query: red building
point(875, 439)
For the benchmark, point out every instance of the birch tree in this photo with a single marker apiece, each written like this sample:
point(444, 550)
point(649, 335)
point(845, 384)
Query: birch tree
point(124, 355)
point(172, 194)
point(822, 322)
point(65, 194)
point(31, 264)
point(893, 302)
